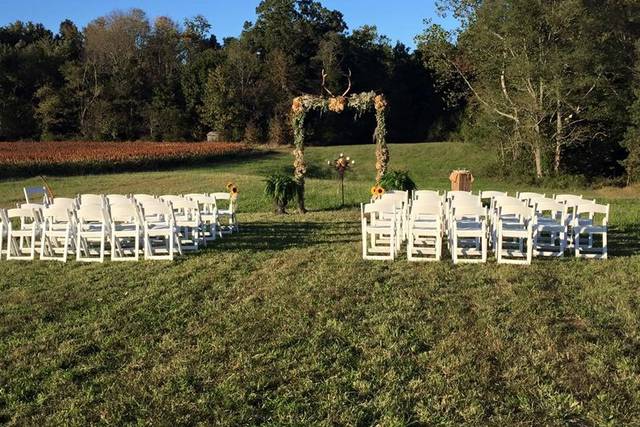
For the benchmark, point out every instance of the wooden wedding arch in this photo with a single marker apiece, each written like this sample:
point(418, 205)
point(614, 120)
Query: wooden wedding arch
point(359, 102)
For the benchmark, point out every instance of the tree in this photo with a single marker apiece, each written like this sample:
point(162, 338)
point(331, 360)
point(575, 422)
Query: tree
point(538, 70)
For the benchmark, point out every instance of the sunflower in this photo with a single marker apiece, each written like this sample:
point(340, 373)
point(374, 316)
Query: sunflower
point(374, 190)
point(234, 190)
point(229, 185)
point(379, 191)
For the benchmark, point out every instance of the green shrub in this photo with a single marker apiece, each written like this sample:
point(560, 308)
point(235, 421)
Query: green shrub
point(397, 180)
point(281, 189)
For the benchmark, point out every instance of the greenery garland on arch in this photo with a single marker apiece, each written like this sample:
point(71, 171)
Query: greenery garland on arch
point(361, 103)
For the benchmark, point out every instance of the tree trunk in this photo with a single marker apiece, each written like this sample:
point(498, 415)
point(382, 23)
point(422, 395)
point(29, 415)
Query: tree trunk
point(558, 154)
point(301, 207)
point(537, 155)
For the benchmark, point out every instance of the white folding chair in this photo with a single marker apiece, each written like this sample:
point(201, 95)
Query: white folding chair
point(585, 222)
point(228, 213)
point(513, 234)
point(186, 213)
point(92, 230)
point(459, 199)
point(36, 195)
point(126, 228)
point(208, 215)
point(550, 228)
point(425, 230)
point(496, 203)
point(379, 228)
point(22, 240)
point(58, 233)
point(160, 233)
point(468, 233)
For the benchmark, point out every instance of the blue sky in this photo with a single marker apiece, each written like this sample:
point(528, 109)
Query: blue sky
point(399, 19)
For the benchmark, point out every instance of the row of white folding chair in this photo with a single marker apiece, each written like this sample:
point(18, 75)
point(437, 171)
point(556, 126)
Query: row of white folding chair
point(83, 231)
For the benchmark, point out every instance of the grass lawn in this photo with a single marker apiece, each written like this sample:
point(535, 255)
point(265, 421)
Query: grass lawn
point(284, 323)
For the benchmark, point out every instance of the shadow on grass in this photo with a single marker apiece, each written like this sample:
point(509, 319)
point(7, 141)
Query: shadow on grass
point(624, 241)
point(286, 235)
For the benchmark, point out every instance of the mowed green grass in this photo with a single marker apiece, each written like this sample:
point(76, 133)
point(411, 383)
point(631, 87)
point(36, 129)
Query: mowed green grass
point(284, 323)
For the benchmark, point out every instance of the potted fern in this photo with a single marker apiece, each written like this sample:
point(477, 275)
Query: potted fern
point(281, 189)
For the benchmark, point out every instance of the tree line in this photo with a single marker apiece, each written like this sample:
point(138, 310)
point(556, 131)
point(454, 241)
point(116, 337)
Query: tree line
point(551, 86)
point(123, 77)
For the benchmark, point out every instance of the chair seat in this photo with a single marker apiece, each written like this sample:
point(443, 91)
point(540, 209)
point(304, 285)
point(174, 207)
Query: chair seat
point(379, 229)
point(591, 229)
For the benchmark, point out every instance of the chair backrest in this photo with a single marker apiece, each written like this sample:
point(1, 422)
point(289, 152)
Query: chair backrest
point(91, 199)
point(171, 197)
point(528, 195)
point(35, 207)
point(58, 213)
point(142, 198)
point(26, 215)
point(464, 210)
point(572, 199)
point(221, 196)
point(126, 211)
point(591, 209)
point(522, 212)
point(158, 211)
point(452, 193)
point(91, 213)
point(505, 200)
point(117, 198)
point(65, 202)
point(418, 194)
point(400, 197)
point(490, 194)
point(430, 198)
point(185, 206)
point(556, 210)
point(381, 208)
point(206, 203)
point(35, 194)
point(424, 207)
point(226, 197)
point(460, 201)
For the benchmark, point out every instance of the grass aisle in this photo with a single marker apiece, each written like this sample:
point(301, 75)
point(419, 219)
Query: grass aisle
point(285, 324)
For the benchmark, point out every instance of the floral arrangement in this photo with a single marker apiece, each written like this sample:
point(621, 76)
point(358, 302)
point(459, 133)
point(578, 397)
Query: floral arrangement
point(341, 164)
point(376, 192)
point(233, 190)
